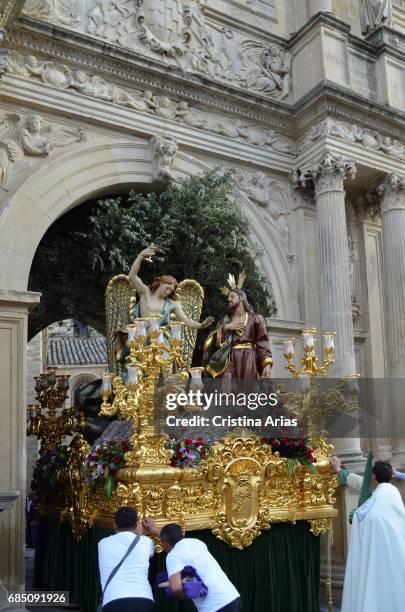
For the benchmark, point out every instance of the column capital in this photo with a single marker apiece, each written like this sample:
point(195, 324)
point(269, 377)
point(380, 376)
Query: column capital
point(328, 175)
point(392, 193)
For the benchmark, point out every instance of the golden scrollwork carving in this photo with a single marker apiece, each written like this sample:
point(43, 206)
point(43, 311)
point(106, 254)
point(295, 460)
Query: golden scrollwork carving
point(320, 525)
point(78, 508)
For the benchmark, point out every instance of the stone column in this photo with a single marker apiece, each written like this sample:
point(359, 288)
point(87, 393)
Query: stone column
point(334, 278)
point(392, 192)
point(14, 308)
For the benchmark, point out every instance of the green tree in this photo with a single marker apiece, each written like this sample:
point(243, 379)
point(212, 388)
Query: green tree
point(198, 222)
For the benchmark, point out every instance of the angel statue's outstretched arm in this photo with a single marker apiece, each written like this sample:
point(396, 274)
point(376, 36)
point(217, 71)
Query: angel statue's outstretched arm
point(181, 316)
point(134, 280)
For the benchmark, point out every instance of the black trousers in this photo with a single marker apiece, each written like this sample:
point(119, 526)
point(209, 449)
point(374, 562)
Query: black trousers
point(234, 606)
point(129, 604)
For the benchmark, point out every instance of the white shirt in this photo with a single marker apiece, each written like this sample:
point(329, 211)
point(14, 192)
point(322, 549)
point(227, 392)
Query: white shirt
point(131, 580)
point(191, 551)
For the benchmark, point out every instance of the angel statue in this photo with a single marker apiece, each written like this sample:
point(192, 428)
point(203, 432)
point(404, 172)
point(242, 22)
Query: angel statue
point(159, 298)
point(165, 297)
point(21, 136)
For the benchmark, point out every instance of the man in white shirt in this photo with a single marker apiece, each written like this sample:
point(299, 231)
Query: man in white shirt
point(181, 552)
point(129, 589)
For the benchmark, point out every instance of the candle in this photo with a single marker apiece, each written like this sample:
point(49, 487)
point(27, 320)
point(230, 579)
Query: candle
point(106, 386)
point(289, 347)
point(195, 374)
point(131, 331)
point(140, 328)
point(308, 335)
point(134, 372)
point(154, 325)
point(329, 341)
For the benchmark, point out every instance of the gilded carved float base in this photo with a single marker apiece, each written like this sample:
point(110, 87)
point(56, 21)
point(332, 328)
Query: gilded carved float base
point(238, 492)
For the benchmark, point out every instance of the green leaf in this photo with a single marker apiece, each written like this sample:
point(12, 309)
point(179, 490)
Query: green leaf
point(309, 465)
point(108, 486)
point(292, 465)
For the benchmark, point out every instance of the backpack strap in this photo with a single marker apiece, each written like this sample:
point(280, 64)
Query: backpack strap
point(117, 567)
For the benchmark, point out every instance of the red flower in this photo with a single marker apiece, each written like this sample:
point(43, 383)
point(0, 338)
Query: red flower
point(188, 441)
point(116, 460)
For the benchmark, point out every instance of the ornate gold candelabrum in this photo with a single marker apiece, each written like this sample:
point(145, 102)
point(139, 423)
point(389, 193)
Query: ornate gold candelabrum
point(310, 403)
point(43, 418)
point(309, 359)
point(154, 352)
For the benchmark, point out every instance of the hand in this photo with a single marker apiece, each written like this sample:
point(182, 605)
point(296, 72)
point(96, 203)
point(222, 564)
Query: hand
point(238, 327)
point(207, 322)
point(149, 252)
point(266, 371)
point(336, 464)
point(149, 524)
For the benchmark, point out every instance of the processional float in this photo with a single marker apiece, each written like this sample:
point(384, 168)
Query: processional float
point(241, 487)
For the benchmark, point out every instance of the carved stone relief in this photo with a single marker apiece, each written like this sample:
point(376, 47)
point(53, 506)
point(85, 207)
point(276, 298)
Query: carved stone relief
point(178, 33)
point(370, 139)
point(64, 12)
point(164, 149)
point(22, 136)
point(166, 108)
point(267, 193)
point(265, 69)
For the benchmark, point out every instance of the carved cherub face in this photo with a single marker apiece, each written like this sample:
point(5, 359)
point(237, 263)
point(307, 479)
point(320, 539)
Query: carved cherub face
point(80, 76)
point(33, 124)
point(147, 95)
point(183, 105)
point(165, 102)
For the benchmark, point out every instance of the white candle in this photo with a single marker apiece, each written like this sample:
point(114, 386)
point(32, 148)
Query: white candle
point(289, 346)
point(154, 324)
point(133, 376)
point(195, 374)
point(329, 340)
point(140, 328)
point(131, 331)
point(107, 383)
point(308, 335)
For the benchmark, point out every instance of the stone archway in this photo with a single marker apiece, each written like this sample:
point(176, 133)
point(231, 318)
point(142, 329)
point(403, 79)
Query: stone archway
point(83, 173)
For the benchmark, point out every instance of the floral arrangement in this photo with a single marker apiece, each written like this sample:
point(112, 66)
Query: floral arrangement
point(103, 462)
point(46, 469)
point(188, 452)
point(297, 451)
